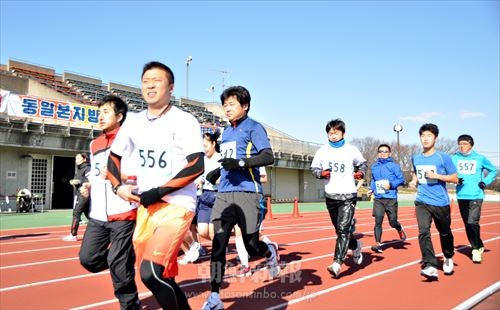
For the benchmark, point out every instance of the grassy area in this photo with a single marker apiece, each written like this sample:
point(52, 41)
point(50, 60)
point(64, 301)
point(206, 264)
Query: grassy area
point(287, 208)
point(14, 220)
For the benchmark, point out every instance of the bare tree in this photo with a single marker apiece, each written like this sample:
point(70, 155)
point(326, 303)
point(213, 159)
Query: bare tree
point(446, 145)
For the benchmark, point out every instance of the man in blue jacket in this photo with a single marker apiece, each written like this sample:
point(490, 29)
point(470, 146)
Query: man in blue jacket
point(470, 190)
point(386, 177)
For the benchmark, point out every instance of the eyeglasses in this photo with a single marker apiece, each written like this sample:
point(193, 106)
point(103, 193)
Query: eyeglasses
point(382, 151)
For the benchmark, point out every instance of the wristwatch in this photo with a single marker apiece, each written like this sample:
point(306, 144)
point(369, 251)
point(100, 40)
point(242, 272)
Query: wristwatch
point(241, 163)
point(115, 188)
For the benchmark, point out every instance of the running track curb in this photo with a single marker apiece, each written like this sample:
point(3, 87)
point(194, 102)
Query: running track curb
point(474, 300)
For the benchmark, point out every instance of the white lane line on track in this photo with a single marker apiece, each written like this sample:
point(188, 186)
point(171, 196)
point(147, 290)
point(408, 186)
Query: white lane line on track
point(403, 215)
point(336, 287)
point(271, 235)
point(293, 301)
point(39, 250)
point(39, 263)
point(474, 300)
point(11, 288)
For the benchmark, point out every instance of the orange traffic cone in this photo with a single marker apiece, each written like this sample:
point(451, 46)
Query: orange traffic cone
point(295, 208)
point(269, 215)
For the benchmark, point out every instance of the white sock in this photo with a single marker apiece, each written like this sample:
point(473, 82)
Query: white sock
point(242, 251)
point(195, 246)
point(266, 239)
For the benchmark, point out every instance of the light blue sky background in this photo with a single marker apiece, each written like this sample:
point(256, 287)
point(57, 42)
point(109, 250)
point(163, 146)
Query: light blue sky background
point(371, 63)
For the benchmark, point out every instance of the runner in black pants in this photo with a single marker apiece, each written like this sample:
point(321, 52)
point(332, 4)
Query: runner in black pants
point(81, 204)
point(107, 242)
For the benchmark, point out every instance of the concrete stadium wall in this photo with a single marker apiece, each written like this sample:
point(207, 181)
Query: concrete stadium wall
point(285, 184)
point(14, 84)
point(13, 162)
point(40, 90)
point(24, 86)
point(312, 188)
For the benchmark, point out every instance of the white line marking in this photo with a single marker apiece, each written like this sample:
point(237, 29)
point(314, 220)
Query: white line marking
point(336, 287)
point(474, 300)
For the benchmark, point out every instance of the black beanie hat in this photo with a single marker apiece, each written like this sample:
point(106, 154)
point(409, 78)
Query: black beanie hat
point(466, 138)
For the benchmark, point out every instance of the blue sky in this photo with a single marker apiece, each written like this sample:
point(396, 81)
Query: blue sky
point(371, 63)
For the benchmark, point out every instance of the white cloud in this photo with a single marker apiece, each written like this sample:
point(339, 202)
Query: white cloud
point(422, 117)
point(470, 114)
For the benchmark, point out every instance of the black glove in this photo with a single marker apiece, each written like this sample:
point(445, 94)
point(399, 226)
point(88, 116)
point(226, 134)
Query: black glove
point(151, 196)
point(482, 185)
point(213, 176)
point(229, 163)
point(460, 181)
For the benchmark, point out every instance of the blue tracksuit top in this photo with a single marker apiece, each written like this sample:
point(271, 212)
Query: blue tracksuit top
point(471, 168)
point(386, 170)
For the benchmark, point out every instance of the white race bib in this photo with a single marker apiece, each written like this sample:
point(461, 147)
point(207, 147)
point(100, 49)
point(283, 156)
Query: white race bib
point(228, 150)
point(421, 169)
point(466, 166)
point(379, 186)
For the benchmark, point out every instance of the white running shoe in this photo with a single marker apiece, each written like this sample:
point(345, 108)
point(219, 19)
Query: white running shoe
point(334, 269)
point(477, 255)
point(430, 273)
point(273, 264)
point(357, 256)
point(448, 266)
point(213, 302)
point(191, 255)
point(70, 238)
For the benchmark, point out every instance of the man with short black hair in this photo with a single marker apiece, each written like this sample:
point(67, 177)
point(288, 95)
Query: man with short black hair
point(165, 143)
point(244, 148)
point(472, 181)
point(432, 169)
point(107, 242)
point(386, 177)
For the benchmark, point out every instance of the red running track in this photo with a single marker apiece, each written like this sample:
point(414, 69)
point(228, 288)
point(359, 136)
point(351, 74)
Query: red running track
point(40, 271)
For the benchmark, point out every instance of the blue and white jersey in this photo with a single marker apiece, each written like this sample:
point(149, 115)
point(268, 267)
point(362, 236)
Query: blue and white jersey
point(432, 191)
point(471, 168)
point(244, 140)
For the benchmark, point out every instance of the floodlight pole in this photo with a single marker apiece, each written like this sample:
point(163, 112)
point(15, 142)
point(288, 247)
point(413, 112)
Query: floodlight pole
point(189, 60)
point(398, 128)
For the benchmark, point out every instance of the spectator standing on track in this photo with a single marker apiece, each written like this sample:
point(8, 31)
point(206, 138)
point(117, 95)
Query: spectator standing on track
point(80, 204)
point(386, 177)
point(167, 145)
point(107, 242)
point(335, 163)
point(431, 170)
point(244, 148)
point(471, 167)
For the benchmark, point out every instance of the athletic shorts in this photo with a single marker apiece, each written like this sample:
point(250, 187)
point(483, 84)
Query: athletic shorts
point(381, 206)
point(240, 208)
point(159, 232)
point(204, 208)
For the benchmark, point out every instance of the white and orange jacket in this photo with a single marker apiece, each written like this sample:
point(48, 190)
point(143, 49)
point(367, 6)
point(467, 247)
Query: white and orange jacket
point(104, 204)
